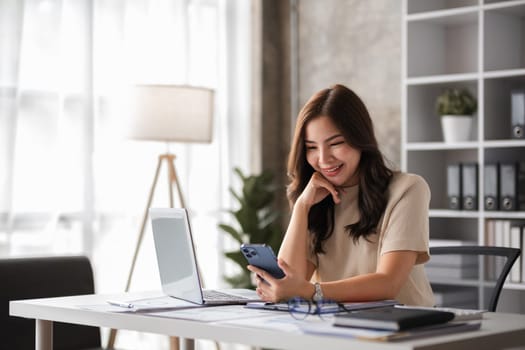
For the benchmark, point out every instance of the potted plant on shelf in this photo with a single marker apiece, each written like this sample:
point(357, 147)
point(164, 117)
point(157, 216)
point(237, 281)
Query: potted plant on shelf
point(456, 108)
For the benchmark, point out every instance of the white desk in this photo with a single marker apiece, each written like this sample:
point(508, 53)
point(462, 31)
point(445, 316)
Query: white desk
point(497, 331)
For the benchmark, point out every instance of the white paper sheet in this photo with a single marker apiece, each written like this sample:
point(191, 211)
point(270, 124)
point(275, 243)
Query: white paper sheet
point(143, 305)
point(215, 313)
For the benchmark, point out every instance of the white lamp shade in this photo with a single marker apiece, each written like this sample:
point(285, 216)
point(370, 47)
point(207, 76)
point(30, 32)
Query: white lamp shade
point(171, 113)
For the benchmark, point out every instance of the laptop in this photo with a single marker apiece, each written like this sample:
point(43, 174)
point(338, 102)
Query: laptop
point(179, 274)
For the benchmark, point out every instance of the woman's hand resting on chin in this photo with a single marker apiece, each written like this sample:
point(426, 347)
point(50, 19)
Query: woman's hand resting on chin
point(316, 190)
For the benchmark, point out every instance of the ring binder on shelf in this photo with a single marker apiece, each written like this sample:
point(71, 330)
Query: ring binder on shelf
point(469, 184)
point(491, 186)
point(454, 186)
point(508, 186)
point(518, 113)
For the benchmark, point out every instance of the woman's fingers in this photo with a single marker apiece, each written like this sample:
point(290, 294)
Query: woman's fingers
point(328, 186)
point(267, 286)
point(262, 274)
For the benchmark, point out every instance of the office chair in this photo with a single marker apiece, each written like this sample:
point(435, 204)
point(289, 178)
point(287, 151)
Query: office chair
point(478, 272)
point(28, 278)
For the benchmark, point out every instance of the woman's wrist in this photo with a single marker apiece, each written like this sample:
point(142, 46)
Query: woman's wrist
point(308, 291)
point(302, 206)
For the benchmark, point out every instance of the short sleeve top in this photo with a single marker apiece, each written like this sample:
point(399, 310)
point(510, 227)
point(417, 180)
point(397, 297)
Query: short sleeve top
point(403, 226)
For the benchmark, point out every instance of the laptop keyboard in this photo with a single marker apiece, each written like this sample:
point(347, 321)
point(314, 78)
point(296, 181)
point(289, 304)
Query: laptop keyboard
point(216, 295)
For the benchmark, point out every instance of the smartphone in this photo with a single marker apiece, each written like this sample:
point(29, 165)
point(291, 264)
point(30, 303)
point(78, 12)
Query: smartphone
point(263, 257)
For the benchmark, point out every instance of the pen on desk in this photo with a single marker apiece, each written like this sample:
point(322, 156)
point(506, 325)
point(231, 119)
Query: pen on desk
point(120, 304)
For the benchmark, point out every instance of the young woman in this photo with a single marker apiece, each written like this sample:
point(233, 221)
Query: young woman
point(358, 230)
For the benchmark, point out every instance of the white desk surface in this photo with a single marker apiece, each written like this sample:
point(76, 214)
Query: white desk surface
point(498, 330)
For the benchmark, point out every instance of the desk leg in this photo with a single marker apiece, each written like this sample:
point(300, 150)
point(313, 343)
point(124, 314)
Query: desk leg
point(187, 344)
point(43, 335)
point(174, 343)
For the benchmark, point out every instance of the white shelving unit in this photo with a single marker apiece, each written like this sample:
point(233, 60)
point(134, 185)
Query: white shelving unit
point(473, 44)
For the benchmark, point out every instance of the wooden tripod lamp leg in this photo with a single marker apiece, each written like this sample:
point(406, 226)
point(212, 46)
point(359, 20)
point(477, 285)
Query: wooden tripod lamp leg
point(170, 159)
point(174, 179)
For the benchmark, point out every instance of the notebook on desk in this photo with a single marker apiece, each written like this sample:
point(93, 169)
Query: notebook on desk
point(177, 262)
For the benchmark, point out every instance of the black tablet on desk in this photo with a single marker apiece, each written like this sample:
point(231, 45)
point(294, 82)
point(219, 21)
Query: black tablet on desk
point(392, 318)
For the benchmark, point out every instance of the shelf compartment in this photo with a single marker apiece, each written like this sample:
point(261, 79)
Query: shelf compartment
point(424, 6)
point(443, 45)
point(498, 106)
point(504, 38)
point(423, 123)
point(504, 155)
point(454, 228)
point(432, 166)
point(455, 296)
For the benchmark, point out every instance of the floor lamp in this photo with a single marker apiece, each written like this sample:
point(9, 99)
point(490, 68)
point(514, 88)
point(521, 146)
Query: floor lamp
point(167, 113)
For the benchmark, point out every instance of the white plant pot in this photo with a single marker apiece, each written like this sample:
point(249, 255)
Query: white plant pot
point(456, 128)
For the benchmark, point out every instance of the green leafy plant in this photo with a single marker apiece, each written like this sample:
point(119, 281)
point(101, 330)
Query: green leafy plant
point(456, 102)
point(256, 222)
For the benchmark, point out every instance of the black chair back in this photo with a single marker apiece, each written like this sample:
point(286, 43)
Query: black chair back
point(29, 278)
point(482, 269)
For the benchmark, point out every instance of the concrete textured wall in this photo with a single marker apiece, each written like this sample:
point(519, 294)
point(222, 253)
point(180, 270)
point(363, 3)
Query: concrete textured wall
point(356, 43)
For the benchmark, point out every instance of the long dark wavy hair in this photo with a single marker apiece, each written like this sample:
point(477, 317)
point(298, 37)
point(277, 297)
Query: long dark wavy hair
point(350, 116)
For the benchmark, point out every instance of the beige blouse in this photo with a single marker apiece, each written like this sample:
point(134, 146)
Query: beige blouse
point(403, 226)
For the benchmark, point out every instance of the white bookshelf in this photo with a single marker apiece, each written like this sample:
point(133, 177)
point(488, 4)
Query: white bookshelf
point(473, 44)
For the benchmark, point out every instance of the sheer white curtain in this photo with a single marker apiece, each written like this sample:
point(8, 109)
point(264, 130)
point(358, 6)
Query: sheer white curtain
point(69, 181)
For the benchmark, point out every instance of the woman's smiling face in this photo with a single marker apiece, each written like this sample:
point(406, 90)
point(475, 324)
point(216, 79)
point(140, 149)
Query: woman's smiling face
point(329, 154)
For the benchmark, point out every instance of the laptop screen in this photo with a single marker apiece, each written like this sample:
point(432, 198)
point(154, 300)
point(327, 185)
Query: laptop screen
point(175, 254)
